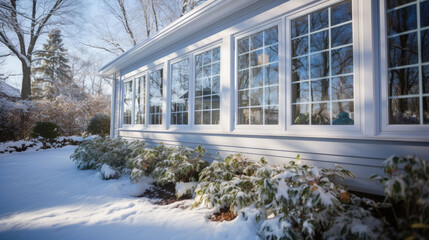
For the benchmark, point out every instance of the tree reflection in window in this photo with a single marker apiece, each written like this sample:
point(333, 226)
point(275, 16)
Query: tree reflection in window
point(408, 61)
point(140, 100)
point(258, 78)
point(180, 92)
point(322, 67)
point(155, 97)
point(128, 101)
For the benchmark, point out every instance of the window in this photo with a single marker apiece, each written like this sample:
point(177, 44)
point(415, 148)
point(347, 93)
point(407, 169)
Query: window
point(180, 92)
point(155, 97)
point(258, 85)
point(322, 67)
point(140, 100)
point(207, 87)
point(408, 61)
point(128, 101)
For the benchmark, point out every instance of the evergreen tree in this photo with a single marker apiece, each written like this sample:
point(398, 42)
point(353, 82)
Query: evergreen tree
point(52, 74)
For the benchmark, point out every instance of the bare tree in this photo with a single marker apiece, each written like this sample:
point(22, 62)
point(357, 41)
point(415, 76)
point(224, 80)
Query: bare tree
point(3, 57)
point(21, 27)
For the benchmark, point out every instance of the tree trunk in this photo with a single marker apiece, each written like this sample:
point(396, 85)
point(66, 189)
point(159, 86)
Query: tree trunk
point(26, 81)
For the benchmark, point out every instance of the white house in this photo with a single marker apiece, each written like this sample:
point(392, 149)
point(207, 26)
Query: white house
point(336, 81)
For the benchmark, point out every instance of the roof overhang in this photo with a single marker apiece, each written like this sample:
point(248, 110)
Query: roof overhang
point(195, 20)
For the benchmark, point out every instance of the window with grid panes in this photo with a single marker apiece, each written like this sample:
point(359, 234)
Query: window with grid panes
point(257, 78)
point(179, 92)
point(155, 97)
point(207, 87)
point(140, 100)
point(408, 61)
point(322, 67)
point(128, 101)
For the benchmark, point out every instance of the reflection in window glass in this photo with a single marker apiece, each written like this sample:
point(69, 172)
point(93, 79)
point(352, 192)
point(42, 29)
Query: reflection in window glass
point(408, 61)
point(322, 67)
point(155, 97)
point(180, 92)
point(140, 100)
point(128, 101)
point(207, 87)
point(258, 78)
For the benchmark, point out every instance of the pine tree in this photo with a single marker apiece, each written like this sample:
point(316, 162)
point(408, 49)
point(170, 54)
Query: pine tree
point(52, 74)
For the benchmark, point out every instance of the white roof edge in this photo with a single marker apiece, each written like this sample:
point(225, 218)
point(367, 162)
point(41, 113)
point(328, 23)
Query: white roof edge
point(197, 13)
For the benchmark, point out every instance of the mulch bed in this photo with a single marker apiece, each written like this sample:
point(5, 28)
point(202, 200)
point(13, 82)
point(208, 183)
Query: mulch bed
point(163, 195)
point(224, 215)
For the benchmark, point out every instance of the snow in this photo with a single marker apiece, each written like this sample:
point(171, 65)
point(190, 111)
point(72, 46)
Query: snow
point(182, 188)
point(8, 90)
point(108, 172)
point(44, 196)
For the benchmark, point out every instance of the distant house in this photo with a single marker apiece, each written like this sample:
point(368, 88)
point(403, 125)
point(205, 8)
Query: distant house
point(337, 81)
point(7, 91)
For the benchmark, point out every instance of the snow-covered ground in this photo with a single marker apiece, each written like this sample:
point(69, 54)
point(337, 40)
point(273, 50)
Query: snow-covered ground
point(44, 196)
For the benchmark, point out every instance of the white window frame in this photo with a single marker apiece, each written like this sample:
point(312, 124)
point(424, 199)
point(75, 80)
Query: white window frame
point(396, 130)
point(357, 81)
point(161, 126)
point(249, 128)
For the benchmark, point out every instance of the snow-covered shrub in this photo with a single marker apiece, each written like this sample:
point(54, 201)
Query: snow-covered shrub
point(293, 201)
point(99, 125)
point(145, 159)
point(92, 154)
point(108, 172)
point(406, 186)
point(16, 119)
point(46, 130)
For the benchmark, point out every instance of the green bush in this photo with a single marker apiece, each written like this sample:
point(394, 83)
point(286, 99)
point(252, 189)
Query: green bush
point(100, 125)
point(46, 130)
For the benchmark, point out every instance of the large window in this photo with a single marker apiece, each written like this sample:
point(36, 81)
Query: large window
point(257, 75)
point(207, 87)
point(180, 92)
point(155, 97)
point(322, 67)
point(140, 100)
point(128, 102)
point(408, 61)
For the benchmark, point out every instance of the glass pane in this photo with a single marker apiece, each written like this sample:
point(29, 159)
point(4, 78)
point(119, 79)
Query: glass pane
point(207, 58)
point(243, 98)
point(243, 79)
point(198, 72)
point(424, 17)
point(198, 88)
point(243, 61)
point(155, 95)
point(179, 90)
point(198, 117)
point(256, 77)
point(207, 102)
point(402, 20)
point(342, 61)
point(342, 88)
point(402, 50)
point(426, 110)
point(300, 114)
point(300, 92)
point(256, 41)
point(243, 45)
point(425, 77)
point(270, 36)
point(216, 69)
point(206, 117)
point(198, 103)
point(320, 114)
point(299, 26)
point(271, 115)
point(404, 81)
point(299, 46)
point(397, 3)
point(215, 117)
point(319, 65)
point(216, 54)
point(207, 86)
point(215, 101)
point(319, 41)
point(271, 54)
point(271, 95)
point(185, 118)
point(341, 35)
point(300, 69)
point(341, 13)
point(243, 116)
point(215, 85)
point(425, 44)
point(207, 71)
point(256, 96)
point(342, 113)
point(199, 60)
point(256, 58)
point(271, 74)
point(404, 111)
point(256, 116)
point(319, 20)
point(320, 90)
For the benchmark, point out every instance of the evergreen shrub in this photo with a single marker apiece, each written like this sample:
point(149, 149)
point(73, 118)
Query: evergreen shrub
point(46, 130)
point(100, 125)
